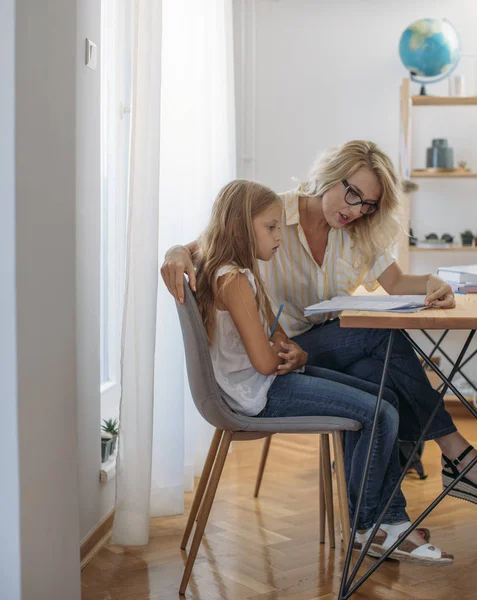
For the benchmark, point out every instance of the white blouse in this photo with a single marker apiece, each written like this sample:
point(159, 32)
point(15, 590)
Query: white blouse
point(233, 370)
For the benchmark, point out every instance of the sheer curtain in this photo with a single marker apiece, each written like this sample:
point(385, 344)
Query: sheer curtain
point(183, 105)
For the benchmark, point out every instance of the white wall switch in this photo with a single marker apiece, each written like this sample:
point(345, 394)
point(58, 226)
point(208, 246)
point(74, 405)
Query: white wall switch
point(91, 58)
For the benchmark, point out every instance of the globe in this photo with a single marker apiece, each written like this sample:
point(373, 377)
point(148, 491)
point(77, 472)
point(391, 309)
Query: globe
point(430, 50)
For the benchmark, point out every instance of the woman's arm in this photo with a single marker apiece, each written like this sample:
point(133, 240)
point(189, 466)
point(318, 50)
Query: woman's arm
point(179, 260)
point(437, 291)
point(238, 298)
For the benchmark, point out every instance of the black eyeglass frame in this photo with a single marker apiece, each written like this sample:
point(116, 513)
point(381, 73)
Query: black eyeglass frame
point(369, 207)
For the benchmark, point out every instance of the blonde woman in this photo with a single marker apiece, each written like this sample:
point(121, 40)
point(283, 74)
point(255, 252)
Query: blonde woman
point(338, 230)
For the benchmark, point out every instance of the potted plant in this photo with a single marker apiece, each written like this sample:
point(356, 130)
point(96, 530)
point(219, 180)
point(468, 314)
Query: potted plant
point(106, 443)
point(467, 237)
point(110, 426)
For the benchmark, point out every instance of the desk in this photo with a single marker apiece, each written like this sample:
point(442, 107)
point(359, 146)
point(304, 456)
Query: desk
point(462, 317)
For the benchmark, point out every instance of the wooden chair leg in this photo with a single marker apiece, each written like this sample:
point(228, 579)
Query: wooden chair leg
point(205, 509)
point(204, 479)
point(263, 461)
point(322, 516)
point(342, 489)
point(326, 466)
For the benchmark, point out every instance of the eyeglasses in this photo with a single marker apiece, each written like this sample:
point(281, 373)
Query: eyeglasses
point(353, 199)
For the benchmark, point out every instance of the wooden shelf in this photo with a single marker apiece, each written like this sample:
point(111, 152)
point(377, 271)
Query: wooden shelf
point(443, 174)
point(450, 249)
point(444, 100)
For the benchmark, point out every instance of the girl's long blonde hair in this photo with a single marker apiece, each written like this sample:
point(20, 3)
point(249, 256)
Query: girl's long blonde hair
point(229, 240)
point(371, 234)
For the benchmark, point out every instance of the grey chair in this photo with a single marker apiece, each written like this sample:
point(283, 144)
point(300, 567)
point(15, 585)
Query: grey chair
point(210, 401)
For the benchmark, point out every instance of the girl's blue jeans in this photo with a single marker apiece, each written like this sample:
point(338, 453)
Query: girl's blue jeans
point(320, 392)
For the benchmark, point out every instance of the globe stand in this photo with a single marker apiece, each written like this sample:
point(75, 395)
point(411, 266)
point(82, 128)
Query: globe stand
point(423, 91)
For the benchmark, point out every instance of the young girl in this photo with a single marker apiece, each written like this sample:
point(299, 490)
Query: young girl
point(245, 227)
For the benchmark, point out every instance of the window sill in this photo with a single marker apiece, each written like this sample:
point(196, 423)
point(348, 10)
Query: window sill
point(108, 468)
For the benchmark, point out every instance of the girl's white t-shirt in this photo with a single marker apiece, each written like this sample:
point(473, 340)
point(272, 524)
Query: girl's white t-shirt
point(234, 373)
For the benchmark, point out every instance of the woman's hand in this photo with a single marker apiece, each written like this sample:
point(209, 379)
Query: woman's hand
point(439, 293)
point(177, 262)
point(294, 357)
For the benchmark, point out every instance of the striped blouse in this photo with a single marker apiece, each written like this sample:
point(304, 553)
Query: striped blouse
point(294, 278)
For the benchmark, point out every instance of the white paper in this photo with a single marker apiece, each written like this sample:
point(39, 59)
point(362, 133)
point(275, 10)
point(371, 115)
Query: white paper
point(373, 303)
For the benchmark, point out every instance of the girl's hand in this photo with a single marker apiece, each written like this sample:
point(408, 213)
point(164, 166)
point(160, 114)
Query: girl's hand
point(294, 358)
point(439, 293)
point(177, 262)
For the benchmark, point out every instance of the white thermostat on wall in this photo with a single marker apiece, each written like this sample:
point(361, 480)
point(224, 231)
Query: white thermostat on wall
point(91, 58)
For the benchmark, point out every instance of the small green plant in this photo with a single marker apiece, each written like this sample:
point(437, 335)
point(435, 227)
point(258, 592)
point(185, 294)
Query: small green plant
point(110, 426)
point(467, 237)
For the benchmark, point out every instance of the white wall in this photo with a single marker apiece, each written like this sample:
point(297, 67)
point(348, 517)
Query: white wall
point(95, 499)
point(10, 579)
point(320, 73)
point(45, 284)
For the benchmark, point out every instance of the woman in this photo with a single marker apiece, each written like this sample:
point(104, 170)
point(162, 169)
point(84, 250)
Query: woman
point(338, 229)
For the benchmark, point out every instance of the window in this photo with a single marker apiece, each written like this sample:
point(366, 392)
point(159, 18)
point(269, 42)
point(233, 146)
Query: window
point(116, 18)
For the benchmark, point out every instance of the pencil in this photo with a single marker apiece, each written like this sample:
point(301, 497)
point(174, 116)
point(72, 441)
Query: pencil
point(274, 326)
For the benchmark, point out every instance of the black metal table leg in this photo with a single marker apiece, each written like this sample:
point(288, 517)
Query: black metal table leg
point(344, 583)
point(346, 591)
point(448, 358)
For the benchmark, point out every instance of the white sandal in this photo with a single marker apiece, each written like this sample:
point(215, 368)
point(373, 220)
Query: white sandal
point(407, 551)
point(362, 538)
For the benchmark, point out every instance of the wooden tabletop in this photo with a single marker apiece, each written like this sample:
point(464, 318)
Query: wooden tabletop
point(463, 316)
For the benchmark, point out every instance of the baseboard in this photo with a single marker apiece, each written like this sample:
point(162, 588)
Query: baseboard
point(93, 542)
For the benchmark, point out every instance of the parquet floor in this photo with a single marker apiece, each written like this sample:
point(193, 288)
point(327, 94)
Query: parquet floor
point(268, 549)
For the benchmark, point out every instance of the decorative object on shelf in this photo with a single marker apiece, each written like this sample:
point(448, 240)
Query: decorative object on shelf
point(412, 238)
point(439, 155)
point(409, 186)
point(467, 238)
point(456, 85)
point(430, 50)
point(462, 166)
point(111, 426)
point(433, 241)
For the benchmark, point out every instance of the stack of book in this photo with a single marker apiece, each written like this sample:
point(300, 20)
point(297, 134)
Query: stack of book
point(462, 279)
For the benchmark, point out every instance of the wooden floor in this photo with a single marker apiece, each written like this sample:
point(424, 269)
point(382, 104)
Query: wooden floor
point(267, 549)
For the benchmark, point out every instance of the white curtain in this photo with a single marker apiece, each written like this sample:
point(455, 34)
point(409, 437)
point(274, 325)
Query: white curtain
point(184, 106)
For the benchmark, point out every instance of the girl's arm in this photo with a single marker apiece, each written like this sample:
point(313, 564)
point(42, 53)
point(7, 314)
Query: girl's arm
point(437, 291)
point(238, 298)
point(292, 355)
point(179, 260)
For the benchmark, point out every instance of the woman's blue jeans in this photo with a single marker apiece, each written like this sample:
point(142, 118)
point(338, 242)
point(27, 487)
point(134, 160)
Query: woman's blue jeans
point(361, 353)
point(320, 392)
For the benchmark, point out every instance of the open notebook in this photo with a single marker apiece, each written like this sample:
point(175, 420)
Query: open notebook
point(374, 303)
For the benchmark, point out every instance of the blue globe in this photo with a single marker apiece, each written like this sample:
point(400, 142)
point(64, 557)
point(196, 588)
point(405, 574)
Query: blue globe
point(430, 48)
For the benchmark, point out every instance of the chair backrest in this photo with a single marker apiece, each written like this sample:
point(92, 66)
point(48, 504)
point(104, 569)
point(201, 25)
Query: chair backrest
point(205, 392)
